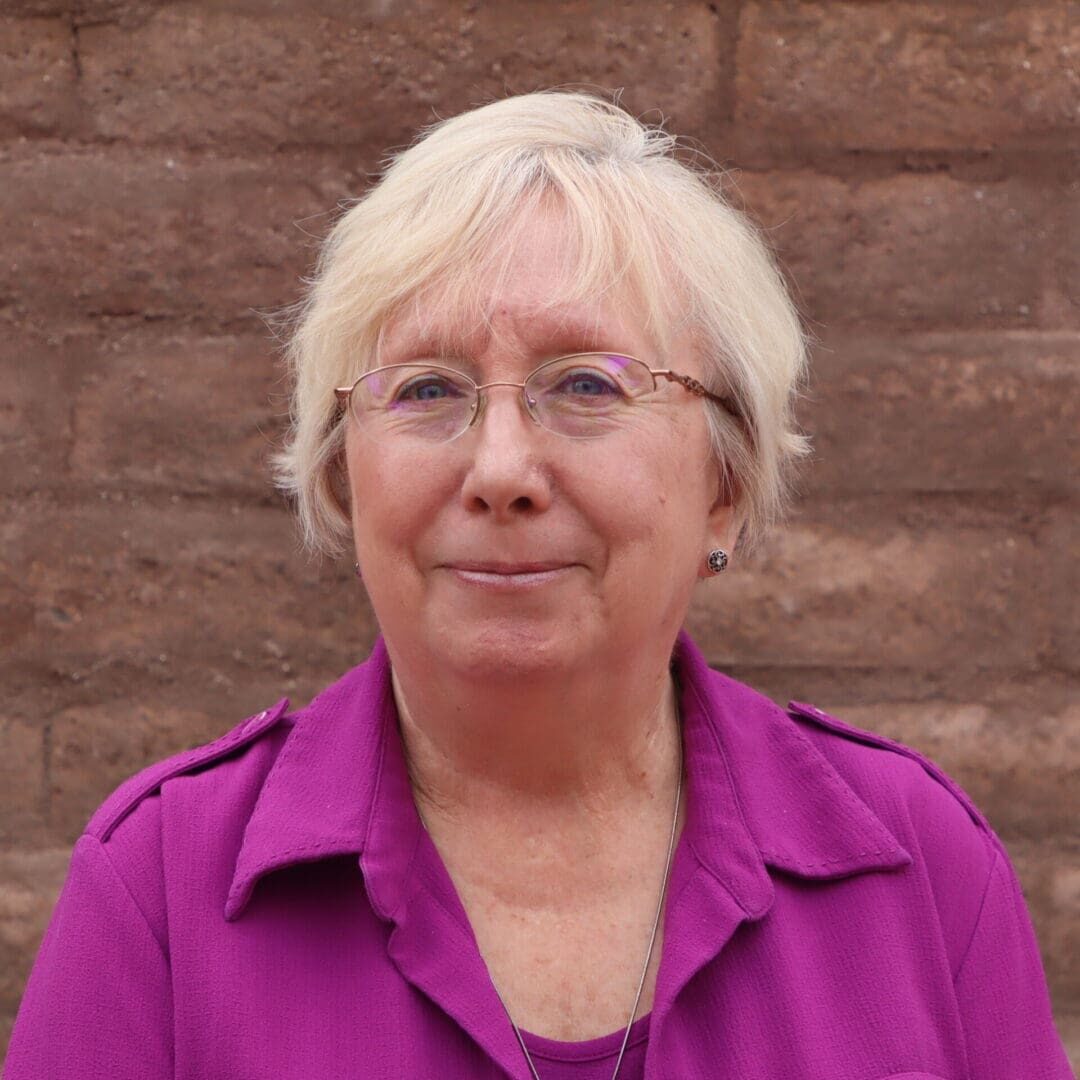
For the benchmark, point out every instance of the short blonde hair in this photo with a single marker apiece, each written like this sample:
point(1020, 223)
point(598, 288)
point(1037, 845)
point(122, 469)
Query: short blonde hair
point(442, 217)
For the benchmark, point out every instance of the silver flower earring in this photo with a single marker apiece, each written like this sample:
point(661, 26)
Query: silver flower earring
point(356, 567)
point(718, 560)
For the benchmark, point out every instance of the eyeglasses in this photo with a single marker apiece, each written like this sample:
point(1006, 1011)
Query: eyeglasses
point(582, 396)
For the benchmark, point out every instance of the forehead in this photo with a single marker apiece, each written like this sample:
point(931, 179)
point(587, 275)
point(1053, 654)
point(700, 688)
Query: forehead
point(431, 325)
point(532, 289)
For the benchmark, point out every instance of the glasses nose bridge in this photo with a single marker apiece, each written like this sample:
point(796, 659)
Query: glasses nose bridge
point(481, 399)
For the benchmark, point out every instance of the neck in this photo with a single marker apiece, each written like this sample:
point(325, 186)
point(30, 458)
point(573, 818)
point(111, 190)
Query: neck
point(594, 740)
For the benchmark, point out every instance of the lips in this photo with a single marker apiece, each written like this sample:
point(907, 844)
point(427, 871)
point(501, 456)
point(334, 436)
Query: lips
point(508, 578)
point(507, 568)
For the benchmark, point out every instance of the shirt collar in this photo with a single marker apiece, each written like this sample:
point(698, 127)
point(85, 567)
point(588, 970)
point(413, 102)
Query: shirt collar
point(759, 793)
point(761, 780)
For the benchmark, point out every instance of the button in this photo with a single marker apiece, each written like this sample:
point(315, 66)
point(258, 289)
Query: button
point(254, 720)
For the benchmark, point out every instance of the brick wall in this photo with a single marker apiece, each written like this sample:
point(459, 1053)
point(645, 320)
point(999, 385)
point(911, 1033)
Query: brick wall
point(164, 170)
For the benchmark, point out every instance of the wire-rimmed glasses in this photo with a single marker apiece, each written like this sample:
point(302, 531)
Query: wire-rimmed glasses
point(581, 396)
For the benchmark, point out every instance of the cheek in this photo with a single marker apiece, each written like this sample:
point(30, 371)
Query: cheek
point(658, 500)
point(391, 499)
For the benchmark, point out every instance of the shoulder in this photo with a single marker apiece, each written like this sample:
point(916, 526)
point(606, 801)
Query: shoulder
point(125, 800)
point(127, 815)
point(218, 780)
point(866, 758)
point(952, 842)
point(912, 795)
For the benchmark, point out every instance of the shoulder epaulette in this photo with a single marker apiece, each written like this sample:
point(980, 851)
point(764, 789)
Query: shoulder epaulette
point(136, 788)
point(823, 719)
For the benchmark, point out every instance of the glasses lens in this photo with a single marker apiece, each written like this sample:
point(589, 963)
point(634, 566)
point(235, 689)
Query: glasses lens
point(421, 401)
point(587, 395)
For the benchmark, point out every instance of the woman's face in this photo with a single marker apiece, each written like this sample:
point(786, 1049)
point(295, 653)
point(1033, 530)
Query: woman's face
point(513, 551)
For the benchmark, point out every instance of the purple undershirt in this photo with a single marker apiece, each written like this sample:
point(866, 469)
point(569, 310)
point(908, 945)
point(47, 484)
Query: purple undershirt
point(593, 1059)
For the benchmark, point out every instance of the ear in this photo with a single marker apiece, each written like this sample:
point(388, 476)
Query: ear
point(337, 481)
point(725, 521)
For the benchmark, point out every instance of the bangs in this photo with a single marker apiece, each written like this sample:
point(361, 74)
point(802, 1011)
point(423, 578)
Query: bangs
point(610, 261)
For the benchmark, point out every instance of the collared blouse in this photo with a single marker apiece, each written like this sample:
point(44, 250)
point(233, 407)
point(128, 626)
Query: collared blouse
point(270, 906)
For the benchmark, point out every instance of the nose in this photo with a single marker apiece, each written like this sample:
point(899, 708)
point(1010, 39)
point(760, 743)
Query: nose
point(507, 474)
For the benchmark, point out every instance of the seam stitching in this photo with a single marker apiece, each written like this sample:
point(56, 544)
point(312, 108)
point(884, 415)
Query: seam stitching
point(131, 896)
point(978, 917)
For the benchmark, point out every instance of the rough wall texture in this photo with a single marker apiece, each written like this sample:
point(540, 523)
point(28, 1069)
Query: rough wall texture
point(164, 169)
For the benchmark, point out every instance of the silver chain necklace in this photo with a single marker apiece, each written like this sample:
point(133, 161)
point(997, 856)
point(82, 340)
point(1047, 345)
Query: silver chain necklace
point(648, 955)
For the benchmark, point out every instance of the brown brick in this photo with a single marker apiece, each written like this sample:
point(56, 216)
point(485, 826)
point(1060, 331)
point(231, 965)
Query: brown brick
point(82, 11)
point(1067, 1021)
point(945, 412)
point(21, 783)
point(371, 74)
point(911, 251)
point(30, 883)
point(210, 240)
point(193, 603)
point(96, 747)
point(1017, 760)
point(878, 593)
point(1063, 300)
point(908, 76)
point(1059, 554)
point(37, 77)
point(154, 236)
point(188, 414)
point(1049, 873)
point(35, 411)
point(140, 408)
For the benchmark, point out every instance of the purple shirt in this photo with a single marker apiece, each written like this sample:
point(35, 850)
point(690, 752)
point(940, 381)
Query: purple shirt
point(270, 906)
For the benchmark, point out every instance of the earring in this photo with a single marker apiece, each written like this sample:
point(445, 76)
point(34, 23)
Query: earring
point(356, 567)
point(718, 560)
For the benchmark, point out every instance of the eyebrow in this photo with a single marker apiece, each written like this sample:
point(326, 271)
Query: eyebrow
point(573, 330)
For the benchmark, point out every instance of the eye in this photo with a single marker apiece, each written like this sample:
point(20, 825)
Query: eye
point(587, 382)
point(425, 389)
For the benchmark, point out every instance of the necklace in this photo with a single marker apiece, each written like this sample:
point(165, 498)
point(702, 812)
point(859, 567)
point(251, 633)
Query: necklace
point(648, 956)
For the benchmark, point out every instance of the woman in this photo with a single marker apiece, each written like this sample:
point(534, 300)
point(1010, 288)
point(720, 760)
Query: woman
point(544, 387)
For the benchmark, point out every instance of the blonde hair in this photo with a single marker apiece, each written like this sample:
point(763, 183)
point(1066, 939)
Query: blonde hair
point(442, 217)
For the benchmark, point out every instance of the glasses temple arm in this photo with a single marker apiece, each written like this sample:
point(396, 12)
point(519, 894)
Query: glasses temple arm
point(699, 390)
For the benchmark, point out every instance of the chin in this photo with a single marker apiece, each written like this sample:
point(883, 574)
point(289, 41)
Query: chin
point(505, 649)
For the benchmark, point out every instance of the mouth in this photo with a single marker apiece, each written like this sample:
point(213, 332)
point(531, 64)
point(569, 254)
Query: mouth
point(504, 576)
